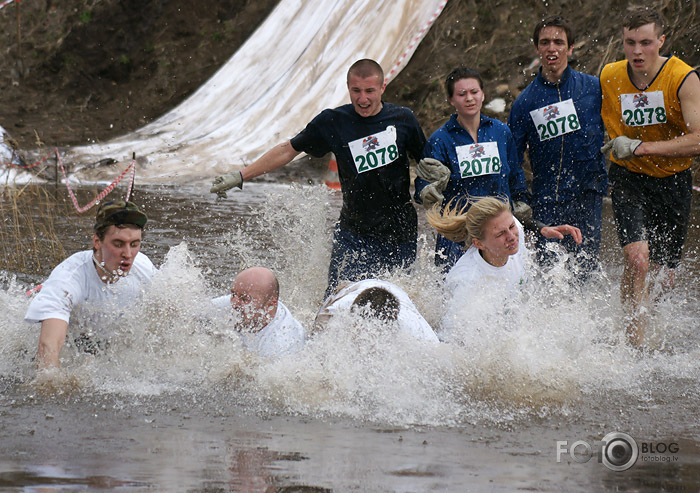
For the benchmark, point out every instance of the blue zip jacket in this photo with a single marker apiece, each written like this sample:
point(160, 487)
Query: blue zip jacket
point(563, 167)
point(510, 182)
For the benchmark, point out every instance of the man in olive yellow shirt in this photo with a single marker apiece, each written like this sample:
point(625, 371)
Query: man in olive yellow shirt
point(651, 110)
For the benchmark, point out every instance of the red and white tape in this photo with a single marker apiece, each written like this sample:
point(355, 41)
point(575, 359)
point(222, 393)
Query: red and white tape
point(414, 42)
point(29, 166)
point(7, 2)
point(130, 169)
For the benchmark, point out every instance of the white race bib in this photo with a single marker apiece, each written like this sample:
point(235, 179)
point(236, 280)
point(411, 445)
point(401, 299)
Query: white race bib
point(555, 120)
point(644, 108)
point(375, 151)
point(478, 159)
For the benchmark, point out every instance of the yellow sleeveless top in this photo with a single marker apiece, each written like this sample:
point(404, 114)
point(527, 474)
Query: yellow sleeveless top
point(650, 115)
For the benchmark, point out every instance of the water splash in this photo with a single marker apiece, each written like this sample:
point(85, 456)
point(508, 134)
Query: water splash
point(556, 348)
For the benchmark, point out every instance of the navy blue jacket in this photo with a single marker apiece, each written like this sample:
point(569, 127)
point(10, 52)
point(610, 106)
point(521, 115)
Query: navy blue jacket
point(509, 182)
point(563, 167)
point(376, 203)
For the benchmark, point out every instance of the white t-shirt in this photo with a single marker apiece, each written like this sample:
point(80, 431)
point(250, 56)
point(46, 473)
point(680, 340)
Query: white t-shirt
point(410, 320)
point(283, 335)
point(75, 288)
point(473, 284)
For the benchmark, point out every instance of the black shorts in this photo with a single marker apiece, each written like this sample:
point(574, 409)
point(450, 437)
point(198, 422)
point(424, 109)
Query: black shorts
point(655, 210)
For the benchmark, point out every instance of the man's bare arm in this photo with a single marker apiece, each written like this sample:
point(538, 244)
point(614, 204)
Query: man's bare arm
point(686, 145)
point(51, 339)
point(278, 156)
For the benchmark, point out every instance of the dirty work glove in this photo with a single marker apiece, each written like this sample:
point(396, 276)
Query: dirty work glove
point(622, 147)
point(226, 182)
point(522, 211)
point(432, 170)
point(432, 193)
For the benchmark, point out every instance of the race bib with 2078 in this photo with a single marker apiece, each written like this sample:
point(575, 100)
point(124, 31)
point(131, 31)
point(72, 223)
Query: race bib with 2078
point(644, 108)
point(375, 151)
point(478, 159)
point(555, 120)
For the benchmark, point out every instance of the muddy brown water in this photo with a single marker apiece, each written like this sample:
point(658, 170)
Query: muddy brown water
point(170, 409)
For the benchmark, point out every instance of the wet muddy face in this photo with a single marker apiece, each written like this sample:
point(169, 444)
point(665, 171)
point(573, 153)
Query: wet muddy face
point(254, 309)
point(642, 46)
point(366, 94)
point(118, 249)
point(467, 98)
point(554, 51)
point(499, 239)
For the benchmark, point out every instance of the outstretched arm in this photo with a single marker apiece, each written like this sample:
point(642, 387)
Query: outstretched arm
point(51, 339)
point(278, 156)
point(688, 144)
point(275, 158)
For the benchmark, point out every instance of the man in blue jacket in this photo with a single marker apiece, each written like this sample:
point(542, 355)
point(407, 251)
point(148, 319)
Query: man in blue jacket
point(557, 119)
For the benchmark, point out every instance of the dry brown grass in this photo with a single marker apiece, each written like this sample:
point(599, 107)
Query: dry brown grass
point(28, 238)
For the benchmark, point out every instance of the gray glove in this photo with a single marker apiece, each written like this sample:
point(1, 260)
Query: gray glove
point(432, 193)
point(226, 182)
point(432, 170)
point(622, 147)
point(522, 211)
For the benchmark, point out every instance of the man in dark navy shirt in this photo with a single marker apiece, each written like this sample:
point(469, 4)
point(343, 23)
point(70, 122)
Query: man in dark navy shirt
point(372, 141)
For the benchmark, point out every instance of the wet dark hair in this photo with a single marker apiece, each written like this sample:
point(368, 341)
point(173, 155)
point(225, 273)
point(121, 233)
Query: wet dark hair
point(366, 68)
point(459, 74)
point(555, 21)
point(380, 303)
point(641, 17)
point(102, 231)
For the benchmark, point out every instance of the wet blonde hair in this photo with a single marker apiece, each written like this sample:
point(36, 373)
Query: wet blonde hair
point(463, 221)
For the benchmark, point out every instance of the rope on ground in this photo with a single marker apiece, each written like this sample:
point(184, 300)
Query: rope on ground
point(29, 166)
point(414, 42)
point(130, 169)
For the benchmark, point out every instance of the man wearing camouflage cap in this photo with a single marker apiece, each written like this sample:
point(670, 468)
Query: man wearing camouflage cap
point(94, 284)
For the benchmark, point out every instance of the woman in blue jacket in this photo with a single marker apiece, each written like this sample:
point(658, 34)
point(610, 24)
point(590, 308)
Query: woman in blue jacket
point(480, 153)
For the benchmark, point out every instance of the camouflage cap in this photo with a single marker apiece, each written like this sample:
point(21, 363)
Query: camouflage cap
point(120, 212)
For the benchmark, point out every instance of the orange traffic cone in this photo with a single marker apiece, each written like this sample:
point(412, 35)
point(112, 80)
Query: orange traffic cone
point(332, 180)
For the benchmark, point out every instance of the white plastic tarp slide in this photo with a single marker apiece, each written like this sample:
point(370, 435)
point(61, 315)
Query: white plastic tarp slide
point(290, 69)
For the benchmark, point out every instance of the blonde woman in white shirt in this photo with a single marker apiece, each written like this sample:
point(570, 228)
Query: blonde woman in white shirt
point(495, 260)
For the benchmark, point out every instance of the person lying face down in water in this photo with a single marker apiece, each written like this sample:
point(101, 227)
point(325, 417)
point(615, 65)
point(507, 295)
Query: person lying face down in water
point(265, 324)
point(495, 238)
point(379, 300)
